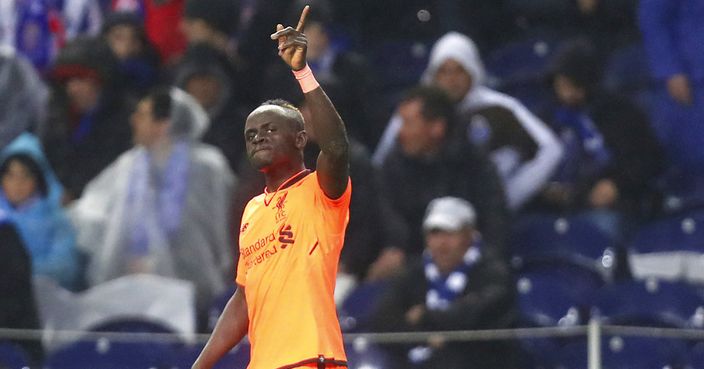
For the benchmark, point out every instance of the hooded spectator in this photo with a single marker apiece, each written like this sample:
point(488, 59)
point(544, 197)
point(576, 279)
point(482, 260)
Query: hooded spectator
point(523, 148)
point(31, 197)
point(162, 206)
point(87, 126)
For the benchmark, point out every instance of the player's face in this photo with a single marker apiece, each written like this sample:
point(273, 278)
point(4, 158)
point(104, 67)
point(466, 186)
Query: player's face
point(454, 79)
point(270, 137)
point(447, 248)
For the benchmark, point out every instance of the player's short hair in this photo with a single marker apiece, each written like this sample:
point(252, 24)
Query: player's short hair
point(295, 113)
point(436, 102)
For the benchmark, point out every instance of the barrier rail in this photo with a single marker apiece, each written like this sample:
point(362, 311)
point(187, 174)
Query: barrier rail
point(594, 331)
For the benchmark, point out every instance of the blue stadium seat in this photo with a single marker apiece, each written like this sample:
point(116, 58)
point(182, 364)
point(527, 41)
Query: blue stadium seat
point(235, 359)
point(518, 69)
point(684, 232)
point(671, 248)
point(556, 294)
point(359, 305)
point(627, 70)
point(364, 355)
point(399, 63)
point(695, 357)
point(131, 324)
point(651, 303)
point(553, 294)
point(218, 305)
point(549, 238)
point(13, 356)
point(625, 352)
point(107, 353)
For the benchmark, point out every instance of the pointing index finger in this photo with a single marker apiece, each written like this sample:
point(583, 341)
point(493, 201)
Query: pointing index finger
point(302, 20)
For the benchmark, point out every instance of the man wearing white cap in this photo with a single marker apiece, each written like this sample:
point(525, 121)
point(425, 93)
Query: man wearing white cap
point(453, 287)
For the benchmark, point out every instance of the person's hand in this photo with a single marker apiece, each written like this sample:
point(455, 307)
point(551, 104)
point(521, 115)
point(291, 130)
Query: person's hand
point(678, 87)
point(557, 194)
point(415, 314)
point(292, 42)
point(587, 7)
point(603, 194)
point(388, 263)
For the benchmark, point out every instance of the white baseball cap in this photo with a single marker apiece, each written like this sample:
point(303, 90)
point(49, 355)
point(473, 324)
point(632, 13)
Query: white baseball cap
point(449, 214)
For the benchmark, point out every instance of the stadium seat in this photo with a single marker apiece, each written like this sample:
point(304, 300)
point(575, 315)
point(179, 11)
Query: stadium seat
point(671, 248)
point(235, 359)
point(359, 305)
point(625, 352)
point(131, 324)
point(650, 303)
point(364, 355)
point(218, 305)
point(399, 63)
point(626, 70)
point(552, 294)
point(106, 354)
point(552, 238)
point(12, 356)
point(518, 69)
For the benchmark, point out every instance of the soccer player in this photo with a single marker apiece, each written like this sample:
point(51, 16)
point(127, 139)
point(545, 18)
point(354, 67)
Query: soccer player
point(291, 235)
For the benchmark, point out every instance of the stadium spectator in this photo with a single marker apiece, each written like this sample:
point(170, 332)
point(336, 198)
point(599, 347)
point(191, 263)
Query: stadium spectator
point(161, 22)
point(431, 160)
point(523, 148)
point(138, 60)
point(213, 22)
point(86, 127)
point(23, 97)
point(18, 308)
point(31, 198)
point(39, 28)
point(612, 158)
point(208, 76)
point(673, 35)
point(162, 206)
point(456, 285)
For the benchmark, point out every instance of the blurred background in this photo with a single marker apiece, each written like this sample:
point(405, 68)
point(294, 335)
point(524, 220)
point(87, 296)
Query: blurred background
point(521, 169)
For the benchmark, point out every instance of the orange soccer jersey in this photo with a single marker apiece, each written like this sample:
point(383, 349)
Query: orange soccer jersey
point(290, 244)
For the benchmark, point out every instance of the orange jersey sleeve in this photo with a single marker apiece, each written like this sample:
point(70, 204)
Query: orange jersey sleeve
point(290, 243)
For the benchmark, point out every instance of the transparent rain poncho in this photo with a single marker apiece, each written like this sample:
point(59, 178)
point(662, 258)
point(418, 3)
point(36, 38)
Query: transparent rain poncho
point(23, 96)
point(171, 220)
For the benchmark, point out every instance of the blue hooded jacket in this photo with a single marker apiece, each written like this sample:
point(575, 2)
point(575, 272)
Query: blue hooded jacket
point(42, 222)
point(673, 34)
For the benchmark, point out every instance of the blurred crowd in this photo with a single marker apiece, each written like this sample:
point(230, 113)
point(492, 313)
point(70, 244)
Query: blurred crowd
point(122, 152)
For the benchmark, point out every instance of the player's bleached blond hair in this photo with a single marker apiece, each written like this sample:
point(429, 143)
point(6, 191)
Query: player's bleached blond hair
point(295, 113)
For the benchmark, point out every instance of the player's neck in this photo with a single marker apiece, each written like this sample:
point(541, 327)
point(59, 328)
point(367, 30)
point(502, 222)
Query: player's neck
point(276, 177)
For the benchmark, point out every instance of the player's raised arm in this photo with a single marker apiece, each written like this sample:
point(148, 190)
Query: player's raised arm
point(325, 122)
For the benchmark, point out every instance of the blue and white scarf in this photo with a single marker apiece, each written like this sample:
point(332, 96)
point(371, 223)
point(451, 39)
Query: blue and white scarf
point(160, 198)
point(444, 290)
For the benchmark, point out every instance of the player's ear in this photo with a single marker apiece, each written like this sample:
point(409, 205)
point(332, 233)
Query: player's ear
point(301, 139)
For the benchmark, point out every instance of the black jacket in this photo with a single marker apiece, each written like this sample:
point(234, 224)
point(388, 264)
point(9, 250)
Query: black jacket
point(488, 302)
point(459, 170)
